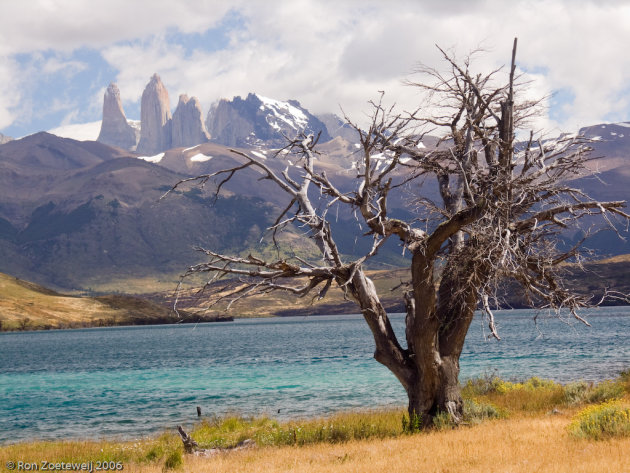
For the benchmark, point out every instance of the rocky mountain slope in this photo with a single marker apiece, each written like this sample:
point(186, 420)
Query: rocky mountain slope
point(253, 121)
point(4, 139)
point(115, 129)
point(261, 121)
point(75, 215)
point(79, 215)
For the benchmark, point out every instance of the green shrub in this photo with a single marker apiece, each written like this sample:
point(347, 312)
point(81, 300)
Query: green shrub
point(582, 392)
point(225, 432)
point(230, 431)
point(481, 386)
point(155, 452)
point(476, 412)
point(532, 384)
point(575, 393)
point(609, 419)
point(605, 391)
point(173, 460)
point(489, 384)
point(409, 426)
point(443, 421)
point(624, 378)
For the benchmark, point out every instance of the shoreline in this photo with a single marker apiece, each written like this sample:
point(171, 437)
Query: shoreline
point(527, 423)
point(188, 319)
point(472, 387)
point(147, 323)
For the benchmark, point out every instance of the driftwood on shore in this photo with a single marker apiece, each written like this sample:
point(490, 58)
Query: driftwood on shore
point(189, 444)
point(192, 447)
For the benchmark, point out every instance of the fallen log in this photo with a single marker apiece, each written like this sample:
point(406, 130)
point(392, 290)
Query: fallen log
point(190, 446)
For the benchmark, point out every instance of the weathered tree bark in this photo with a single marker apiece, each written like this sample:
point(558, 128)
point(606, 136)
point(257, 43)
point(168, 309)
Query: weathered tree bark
point(189, 443)
point(436, 391)
point(429, 368)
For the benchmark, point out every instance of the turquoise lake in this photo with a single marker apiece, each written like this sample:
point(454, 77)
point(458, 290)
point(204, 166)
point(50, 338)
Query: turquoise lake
point(131, 382)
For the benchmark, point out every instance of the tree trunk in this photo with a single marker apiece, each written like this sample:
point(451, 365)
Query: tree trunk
point(436, 392)
point(449, 394)
point(429, 368)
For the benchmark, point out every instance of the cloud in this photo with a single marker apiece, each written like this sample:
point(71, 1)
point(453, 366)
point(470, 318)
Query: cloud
point(57, 65)
point(9, 95)
point(64, 25)
point(328, 53)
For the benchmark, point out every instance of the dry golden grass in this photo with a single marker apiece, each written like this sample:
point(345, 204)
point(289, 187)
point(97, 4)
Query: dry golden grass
point(27, 306)
point(535, 437)
point(521, 444)
point(22, 301)
point(155, 282)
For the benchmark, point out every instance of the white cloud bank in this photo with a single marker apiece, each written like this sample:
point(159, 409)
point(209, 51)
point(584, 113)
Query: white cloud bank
point(329, 54)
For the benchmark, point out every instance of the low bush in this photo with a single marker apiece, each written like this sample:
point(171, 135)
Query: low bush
point(532, 384)
point(488, 384)
point(474, 413)
point(532, 395)
point(174, 460)
point(584, 393)
point(624, 379)
point(575, 393)
point(536, 394)
point(604, 391)
point(600, 421)
point(481, 385)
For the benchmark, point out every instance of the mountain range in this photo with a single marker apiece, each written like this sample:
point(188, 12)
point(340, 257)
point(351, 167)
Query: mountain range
point(87, 215)
point(253, 121)
point(74, 214)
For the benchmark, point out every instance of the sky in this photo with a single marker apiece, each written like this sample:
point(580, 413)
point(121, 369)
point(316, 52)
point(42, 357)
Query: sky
point(58, 56)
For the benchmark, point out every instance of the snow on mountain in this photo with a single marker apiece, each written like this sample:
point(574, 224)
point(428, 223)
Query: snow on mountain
point(259, 121)
point(283, 111)
point(200, 158)
point(152, 159)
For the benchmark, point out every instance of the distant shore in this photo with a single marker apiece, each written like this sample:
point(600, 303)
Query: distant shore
point(123, 323)
point(25, 306)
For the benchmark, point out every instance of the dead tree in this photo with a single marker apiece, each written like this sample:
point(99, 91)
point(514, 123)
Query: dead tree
point(503, 207)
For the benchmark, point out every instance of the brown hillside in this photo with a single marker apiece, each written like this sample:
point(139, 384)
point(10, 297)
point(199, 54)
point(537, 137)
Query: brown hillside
point(28, 306)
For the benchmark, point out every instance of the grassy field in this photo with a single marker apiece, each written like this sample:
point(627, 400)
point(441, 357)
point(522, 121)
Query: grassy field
point(515, 427)
point(518, 445)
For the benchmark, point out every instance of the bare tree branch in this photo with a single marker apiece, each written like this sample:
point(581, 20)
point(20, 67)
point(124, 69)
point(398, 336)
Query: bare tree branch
point(499, 215)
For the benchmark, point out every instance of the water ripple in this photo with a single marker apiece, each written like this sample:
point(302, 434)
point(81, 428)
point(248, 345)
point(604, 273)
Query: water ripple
point(135, 381)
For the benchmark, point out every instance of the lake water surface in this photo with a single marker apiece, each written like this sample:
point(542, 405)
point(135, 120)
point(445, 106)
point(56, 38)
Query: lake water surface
point(135, 381)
